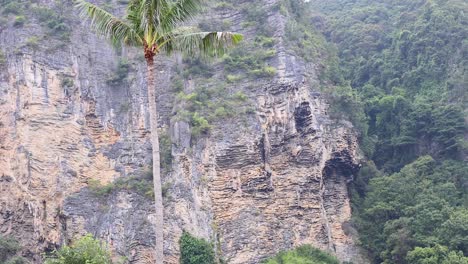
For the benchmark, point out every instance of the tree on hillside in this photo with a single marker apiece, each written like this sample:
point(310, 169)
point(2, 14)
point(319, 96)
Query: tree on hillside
point(84, 250)
point(155, 26)
point(305, 254)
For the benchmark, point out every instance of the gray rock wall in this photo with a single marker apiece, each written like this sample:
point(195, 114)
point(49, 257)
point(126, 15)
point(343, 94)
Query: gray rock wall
point(255, 185)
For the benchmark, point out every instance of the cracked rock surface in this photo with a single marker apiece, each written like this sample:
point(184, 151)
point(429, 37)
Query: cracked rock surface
point(254, 186)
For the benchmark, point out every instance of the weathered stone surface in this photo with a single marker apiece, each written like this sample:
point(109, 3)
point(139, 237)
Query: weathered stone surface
point(256, 185)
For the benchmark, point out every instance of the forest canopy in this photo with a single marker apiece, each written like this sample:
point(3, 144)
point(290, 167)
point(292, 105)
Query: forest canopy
point(401, 79)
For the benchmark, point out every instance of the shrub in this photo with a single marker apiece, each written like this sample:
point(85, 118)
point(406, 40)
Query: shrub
point(195, 251)
point(304, 254)
point(56, 23)
point(233, 78)
point(240, 96)
point(13, 8)
point(221, 112)
point(85, 250)
point(197, 67)
point(121, 73)
point(32, 42)
point(19, 21)
point(266, 71)
point(139, 184)
point(199, 125)
point(8, 247)
point(98, 188)
point(67, 82)
point(254, 62)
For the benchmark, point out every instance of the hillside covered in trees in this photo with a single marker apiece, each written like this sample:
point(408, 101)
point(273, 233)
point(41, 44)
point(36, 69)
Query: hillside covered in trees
point(400, 74)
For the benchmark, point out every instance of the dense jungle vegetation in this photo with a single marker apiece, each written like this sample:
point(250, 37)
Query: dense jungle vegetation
point(399, 73)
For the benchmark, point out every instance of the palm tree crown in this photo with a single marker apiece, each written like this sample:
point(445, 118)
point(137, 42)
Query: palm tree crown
point(158, 25)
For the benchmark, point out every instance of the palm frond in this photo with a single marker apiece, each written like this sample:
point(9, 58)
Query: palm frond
point(150, 14)
point(108, 25)
point(200, 43)
point(179, 12)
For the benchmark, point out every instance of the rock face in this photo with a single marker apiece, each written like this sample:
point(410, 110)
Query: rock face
point(254, 185)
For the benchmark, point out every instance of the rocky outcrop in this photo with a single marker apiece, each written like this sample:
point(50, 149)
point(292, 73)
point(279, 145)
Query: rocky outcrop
point(255, 185)
point(287, 186)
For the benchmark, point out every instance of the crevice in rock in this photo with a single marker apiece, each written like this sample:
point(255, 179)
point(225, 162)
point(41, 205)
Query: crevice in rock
point(338, 171)
point(303, 117)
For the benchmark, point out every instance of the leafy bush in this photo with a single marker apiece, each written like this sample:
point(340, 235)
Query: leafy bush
point(266, 71)
point(253, 62)
point(121, 73)
point(305, 255)
point(54, 19)
point(199, 125)
point(67, 82)
point(195, 251)
point(13, 7)
point(231, 78)
point(8, 248)
point(209, 103)
point(138, 184)
point(32, 42)
point(85, 250)
point(19, 21)
point(197, 67)
point(97, 188)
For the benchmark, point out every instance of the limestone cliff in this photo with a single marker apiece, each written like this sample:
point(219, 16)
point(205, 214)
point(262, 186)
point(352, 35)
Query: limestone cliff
point(254, 185)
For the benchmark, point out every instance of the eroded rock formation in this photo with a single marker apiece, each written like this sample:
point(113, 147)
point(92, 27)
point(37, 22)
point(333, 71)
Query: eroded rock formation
point(255, 185)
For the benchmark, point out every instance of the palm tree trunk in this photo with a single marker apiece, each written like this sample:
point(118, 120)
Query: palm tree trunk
point(156, 161)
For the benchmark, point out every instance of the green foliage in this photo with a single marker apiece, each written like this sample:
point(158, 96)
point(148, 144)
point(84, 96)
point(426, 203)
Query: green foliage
point(121, 73)
point(305, 42)
point(397, 74)
point(54, 19)
point(8, 248)
point(305, 255)
point(32, 42)
point(404, 63)
point(98, 189)
point(231, 78)
point(67, 82)
point(195, 66)
point(199, 124)
point(13, 7)
point(19, 21)
point(265, 71)
point(207, 104)
point(420, 206)
point(436, 255)
point(195, 251)
point(141, 184)
point(253, 62)
point(85, 250)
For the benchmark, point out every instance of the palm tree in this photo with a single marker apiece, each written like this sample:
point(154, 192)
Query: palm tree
point(156, 26)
